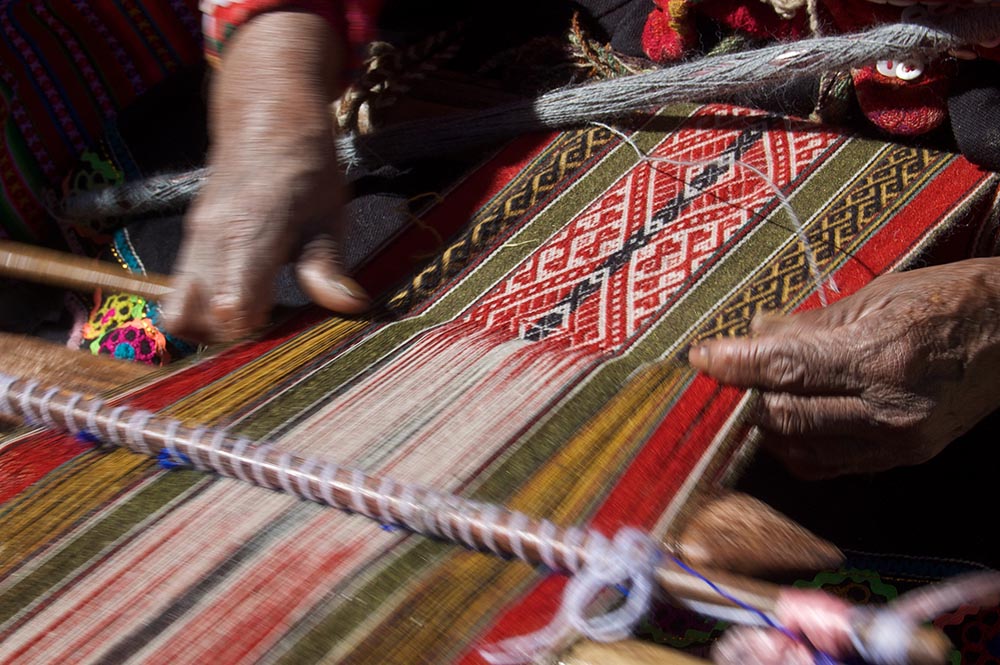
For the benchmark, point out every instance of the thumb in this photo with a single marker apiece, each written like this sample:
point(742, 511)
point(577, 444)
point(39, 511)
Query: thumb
point(321, 275)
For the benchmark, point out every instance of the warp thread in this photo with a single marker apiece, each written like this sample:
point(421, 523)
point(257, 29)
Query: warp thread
point(708, 79)
point(793, 216)
point(809, 623)
point(626, 562)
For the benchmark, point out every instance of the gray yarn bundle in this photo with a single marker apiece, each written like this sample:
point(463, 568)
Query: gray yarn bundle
point(702, 80)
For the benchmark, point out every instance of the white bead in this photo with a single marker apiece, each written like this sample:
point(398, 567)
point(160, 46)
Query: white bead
point(886, 68)
point(909, 70)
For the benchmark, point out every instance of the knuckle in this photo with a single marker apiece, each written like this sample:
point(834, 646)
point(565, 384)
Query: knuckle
point(780, 368)
point(782, 416)
point(904, 415)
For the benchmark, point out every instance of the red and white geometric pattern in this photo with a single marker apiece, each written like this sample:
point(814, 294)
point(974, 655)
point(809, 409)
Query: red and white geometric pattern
point(672, 247)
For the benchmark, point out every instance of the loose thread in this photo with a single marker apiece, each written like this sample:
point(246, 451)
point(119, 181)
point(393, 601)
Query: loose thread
point(786, 204)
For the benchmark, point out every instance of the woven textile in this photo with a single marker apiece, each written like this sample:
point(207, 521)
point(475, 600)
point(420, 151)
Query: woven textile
point(535, 362)
point(66, 69)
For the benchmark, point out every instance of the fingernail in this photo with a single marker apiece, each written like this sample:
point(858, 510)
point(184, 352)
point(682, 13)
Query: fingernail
point(351, 288)
point(698, 353)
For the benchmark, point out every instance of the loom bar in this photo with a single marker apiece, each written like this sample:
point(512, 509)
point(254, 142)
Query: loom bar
point(480, 526)
point(46, 266)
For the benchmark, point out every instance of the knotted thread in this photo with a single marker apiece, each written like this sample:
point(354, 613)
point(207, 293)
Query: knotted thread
point(628, 561)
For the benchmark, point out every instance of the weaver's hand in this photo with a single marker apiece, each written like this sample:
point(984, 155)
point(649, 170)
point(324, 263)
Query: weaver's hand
point(275, 190)
point(886, 377)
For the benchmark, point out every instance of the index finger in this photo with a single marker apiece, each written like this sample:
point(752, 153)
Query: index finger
point(786, 362)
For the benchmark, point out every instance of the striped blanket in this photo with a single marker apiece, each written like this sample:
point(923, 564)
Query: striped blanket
point(536, 360)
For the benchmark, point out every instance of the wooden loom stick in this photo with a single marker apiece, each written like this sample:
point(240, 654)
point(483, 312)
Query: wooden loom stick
point(75, 370)
point(483, 527)
point(627, 652)
point(46, 266)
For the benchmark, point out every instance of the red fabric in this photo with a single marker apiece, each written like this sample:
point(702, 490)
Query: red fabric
point(660, 40)
point(353, 20)
point(756, 19)
point(903, 108)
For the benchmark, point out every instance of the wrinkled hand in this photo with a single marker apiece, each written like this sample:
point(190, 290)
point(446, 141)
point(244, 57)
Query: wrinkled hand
point(886, 377)
point(275, 190)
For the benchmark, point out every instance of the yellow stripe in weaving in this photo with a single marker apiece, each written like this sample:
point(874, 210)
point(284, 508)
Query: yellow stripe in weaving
point(58, 506)
point(96, 479)
point(601, 448)
point(468, 589)
point(227, 395)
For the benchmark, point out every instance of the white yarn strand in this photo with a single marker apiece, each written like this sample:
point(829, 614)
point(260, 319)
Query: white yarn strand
point(238, 453)
point(284, 474)
point(6, 383)
point(630, 559)
point(136, 434)
point(358, 492)
point(215, 449)
point(712, 78)
point(25, 400)
point(69, 410)
point(95, 407)
point(44, 407)
point(304, 473)
point(257, 464)
point(113, 426)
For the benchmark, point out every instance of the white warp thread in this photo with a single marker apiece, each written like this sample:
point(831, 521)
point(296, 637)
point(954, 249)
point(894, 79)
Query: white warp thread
point(628, 562)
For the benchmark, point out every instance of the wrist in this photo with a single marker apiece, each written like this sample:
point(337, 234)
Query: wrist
point(279, 77)
point(981, 320)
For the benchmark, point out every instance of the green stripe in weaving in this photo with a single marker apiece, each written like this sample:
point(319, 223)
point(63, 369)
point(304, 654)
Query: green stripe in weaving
point(359, 358)
point(95, 539)
point(606, 382)
point(670, 329)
